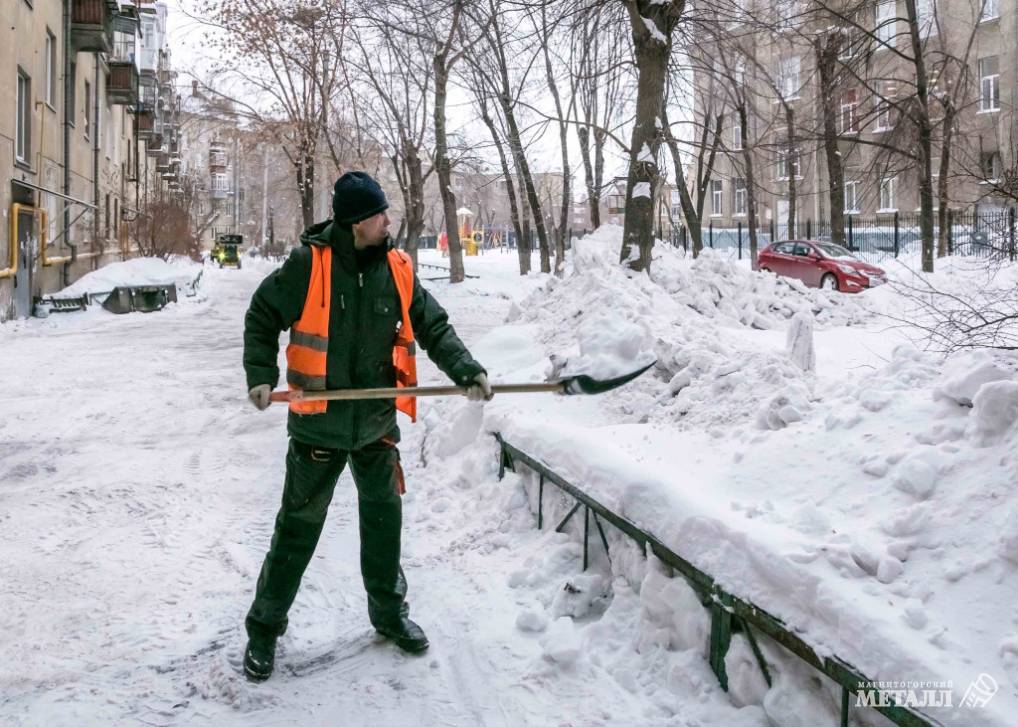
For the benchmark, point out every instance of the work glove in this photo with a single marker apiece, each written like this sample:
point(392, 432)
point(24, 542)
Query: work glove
point(259, 396)
point(480, 389)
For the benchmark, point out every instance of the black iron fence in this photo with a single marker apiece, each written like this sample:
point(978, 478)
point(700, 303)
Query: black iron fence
point(977, 231)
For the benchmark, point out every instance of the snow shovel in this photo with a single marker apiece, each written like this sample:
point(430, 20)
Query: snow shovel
point(567, 385)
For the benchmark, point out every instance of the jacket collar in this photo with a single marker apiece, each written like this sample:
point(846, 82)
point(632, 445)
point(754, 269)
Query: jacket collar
point(340, 239)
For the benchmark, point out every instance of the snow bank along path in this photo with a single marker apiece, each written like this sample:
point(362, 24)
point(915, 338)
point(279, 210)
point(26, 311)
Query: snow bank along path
point(870, 508)
point(137, 492)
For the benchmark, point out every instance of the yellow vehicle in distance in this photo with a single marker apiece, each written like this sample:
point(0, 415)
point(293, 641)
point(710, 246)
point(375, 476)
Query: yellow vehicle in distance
point(226, 250)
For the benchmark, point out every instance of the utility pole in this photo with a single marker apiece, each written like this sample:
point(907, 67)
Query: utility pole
point(265, 191)
point(236, 197)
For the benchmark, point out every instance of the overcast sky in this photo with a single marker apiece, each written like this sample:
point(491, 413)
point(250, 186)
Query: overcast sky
point(191, 57)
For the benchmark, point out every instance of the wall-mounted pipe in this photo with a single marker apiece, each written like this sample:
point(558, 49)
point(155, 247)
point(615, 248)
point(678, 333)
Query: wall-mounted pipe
point(69, 81)
point(12, 264)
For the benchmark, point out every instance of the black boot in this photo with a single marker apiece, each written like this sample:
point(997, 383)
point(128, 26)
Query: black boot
point(260, 657)
point(405, 634)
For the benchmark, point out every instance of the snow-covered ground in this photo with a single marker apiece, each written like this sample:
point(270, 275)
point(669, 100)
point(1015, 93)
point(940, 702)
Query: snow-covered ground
point(867, 503)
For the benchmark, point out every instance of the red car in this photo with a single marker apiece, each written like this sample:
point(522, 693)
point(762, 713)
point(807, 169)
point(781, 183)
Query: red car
point(820, 265)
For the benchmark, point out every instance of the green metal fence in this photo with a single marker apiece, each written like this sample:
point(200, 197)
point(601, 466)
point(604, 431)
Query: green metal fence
point(729, 613)
point(985, 232)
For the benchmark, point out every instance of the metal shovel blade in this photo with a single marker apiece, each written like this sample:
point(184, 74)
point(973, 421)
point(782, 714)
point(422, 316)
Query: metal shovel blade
point(583, 384)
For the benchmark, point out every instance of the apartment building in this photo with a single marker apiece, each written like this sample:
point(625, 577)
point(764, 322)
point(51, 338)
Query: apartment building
point(85, 108)
point(766, 61)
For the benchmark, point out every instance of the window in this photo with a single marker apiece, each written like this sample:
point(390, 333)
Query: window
point(989, 163)
point(788, 77)
point(717, 198)
point(676, 202)
point(851, 197)
point(883, 122)
point(51, 68)
point(736, 134)
point(616, 204)
point(886, 18)
point(219, 183)
point(739, 197)
point(924, 10)
point(849, 44)
point(107, 216)
point(740, 72)
point(788, 163)
point(849, 116)
point(787, 12)
point(989, 84)
point(991, 10)
point(88, 108)
point(888, 201)
point(23, 122)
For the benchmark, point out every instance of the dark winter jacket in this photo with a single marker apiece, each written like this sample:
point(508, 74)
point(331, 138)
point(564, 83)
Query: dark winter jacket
point(363, 317)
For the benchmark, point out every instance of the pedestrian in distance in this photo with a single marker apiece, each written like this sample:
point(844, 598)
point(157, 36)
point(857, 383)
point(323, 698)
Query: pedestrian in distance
point(355, 311)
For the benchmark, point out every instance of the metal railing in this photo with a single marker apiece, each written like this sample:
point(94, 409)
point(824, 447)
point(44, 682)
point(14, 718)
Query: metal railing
point(729, 613)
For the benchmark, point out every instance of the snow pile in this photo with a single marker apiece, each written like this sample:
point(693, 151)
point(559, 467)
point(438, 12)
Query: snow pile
point(136, 271)
point(870, 509)
point(688, 316)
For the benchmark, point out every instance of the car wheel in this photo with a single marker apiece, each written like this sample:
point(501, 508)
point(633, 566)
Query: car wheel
point(765, 270)
point(829, 282)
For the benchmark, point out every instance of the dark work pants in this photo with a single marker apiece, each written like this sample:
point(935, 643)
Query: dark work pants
point(311, 476)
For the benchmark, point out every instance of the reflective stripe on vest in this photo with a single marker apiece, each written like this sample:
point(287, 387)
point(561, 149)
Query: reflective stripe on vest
point(307, 351)
point(309, 337)
point(404, 351)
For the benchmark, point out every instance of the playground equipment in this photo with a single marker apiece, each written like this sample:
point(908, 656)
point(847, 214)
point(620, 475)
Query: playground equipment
point(470, 240)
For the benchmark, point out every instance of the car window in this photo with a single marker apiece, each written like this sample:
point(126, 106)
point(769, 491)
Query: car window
point(802, 249)
point(836, 251)
point(785, 248)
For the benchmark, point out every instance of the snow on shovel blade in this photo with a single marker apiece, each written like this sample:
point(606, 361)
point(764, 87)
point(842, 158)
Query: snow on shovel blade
point(583, 384)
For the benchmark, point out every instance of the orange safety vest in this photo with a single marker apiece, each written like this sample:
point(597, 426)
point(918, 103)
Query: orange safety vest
point(309, 337)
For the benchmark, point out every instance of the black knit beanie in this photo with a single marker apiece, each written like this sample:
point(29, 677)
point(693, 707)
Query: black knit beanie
point(357, 197)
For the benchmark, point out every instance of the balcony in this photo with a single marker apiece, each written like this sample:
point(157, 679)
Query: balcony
point(122, 83)
point(154, 147)
point(145, 121)
point(91, 25)
point(217, 159)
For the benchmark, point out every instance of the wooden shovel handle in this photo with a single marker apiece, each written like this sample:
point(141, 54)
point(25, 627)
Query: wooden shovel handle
point(392, 393)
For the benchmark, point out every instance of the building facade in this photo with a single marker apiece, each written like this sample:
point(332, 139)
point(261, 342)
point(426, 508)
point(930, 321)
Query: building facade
point(766, 61)
point(88, 99)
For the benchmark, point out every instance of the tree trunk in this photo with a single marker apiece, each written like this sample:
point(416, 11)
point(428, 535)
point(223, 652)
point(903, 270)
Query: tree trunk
point(791, 153)
point(593, 203)
point(306, 189)
point(925, 129)
point(652, 24)
point(600, 138)
point(444, 168)
point(526, 183)
point(563, 130)
point(827, 51)
point(747, 160)
point(514, 209)
point(943, 203)
point(689, 211)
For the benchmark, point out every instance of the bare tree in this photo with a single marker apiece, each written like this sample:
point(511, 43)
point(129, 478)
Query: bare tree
point(286, 52)
point(491, 62)
point(652, 23)
point(402, 84)
point(597, 87)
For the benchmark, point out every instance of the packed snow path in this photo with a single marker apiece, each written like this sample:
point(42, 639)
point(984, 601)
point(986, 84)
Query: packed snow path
point(139, 491)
